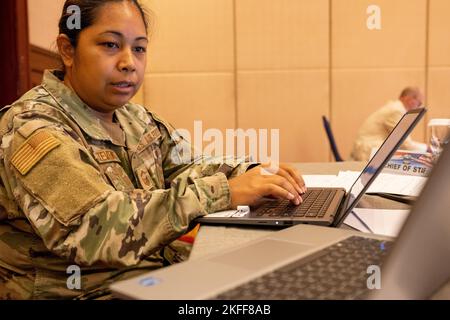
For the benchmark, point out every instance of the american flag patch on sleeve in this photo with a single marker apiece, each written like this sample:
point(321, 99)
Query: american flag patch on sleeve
point(33, 150)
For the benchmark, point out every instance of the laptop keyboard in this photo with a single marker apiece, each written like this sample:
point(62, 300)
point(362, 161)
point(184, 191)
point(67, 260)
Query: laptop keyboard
point(315, 205)
point(337, 272)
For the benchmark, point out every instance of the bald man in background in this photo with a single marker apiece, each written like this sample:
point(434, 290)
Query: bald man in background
point(379, 124)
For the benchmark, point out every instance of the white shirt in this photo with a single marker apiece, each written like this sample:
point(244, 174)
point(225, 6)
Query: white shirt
point(376, 129)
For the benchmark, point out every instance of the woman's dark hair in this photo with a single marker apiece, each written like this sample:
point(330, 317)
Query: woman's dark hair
point(88, 13)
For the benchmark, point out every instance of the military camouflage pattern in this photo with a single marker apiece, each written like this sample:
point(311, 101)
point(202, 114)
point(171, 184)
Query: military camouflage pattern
point(106, 199)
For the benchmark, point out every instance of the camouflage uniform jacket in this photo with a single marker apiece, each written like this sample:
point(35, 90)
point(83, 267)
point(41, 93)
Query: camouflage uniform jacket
point(72, 194)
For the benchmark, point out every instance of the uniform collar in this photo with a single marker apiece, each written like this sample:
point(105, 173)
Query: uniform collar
point(82, 114)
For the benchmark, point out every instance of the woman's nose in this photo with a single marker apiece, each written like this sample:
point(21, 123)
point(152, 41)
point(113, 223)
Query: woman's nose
point(126, 62)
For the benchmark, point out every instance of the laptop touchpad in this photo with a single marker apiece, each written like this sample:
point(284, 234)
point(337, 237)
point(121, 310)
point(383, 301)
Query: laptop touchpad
point(261, 254)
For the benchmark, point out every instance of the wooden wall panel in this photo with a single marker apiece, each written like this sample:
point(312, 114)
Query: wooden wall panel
point(282, 56)
point(40, 60)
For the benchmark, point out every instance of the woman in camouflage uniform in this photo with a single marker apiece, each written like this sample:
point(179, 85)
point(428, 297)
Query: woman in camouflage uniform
point(90, 180)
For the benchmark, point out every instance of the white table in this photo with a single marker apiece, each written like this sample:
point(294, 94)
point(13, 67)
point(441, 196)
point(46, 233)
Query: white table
point(211, 239)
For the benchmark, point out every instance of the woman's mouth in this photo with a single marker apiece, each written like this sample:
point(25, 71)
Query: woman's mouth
point(123, 87)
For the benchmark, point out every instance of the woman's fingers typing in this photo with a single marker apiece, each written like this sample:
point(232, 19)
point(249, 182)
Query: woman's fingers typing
point(295, 174)
point(278, 192)
point(288, 176)
point(290, 191)
point(279, 181)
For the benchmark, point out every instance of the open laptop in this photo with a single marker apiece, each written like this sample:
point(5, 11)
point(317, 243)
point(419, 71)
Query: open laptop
point(314, 262)
point(324, 206)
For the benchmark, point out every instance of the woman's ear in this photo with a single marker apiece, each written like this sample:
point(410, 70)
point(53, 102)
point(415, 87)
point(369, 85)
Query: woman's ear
point(66, 50)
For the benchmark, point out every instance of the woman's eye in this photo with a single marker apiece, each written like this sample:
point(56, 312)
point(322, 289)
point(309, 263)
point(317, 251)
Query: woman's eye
point(140, 49)
point(110, 45)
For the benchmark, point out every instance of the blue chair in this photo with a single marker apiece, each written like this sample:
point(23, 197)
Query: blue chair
point(334, 149)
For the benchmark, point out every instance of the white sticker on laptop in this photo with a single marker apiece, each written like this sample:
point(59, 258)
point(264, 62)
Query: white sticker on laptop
point(149, 281)
point(242, 211)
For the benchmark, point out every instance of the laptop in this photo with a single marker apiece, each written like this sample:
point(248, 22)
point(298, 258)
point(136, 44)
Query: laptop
point(316, 262)
point(323, 206)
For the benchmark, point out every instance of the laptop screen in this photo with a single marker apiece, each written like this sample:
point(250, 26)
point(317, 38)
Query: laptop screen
point(381, 157)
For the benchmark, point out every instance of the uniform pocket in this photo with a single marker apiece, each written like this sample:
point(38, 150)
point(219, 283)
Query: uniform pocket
point(111, 167)
point(151, 158)
point(118, 178)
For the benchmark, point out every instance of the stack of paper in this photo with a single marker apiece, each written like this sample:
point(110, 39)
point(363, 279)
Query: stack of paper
point(377, 221)
point(384, 183)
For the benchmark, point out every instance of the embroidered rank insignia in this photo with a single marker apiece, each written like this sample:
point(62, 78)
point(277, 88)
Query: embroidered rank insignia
point(33, 150)
point(145, 179)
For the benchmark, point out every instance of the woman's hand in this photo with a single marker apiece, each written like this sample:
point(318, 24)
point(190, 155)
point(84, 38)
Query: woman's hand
point(281, 181)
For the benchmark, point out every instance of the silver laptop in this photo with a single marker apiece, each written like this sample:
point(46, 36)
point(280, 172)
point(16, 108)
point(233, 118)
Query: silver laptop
point(325, 206)
point(313, 262)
